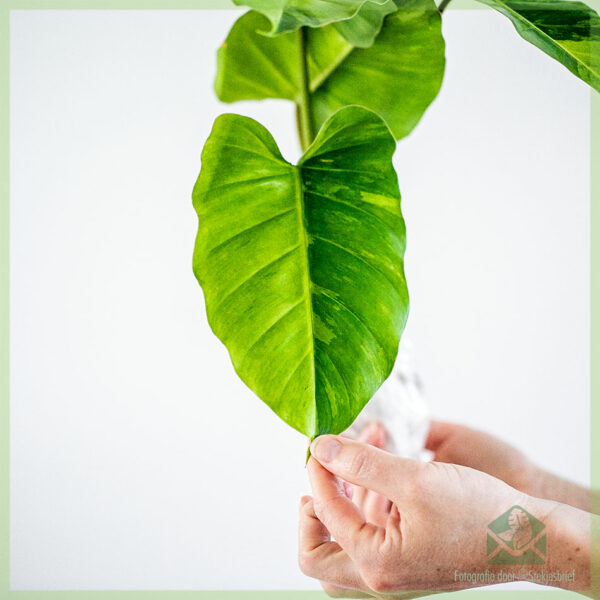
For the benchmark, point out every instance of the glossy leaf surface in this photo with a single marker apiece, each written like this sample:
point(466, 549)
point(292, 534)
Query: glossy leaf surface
point(362, 29)
point(567, 31)
point(302, 266)
point(397, 77)
point(290, 15)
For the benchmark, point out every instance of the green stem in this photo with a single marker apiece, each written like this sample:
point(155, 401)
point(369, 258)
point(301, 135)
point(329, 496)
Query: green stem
point(443, 5)
point(306, 125)
point(303, 143)
point(310, 441)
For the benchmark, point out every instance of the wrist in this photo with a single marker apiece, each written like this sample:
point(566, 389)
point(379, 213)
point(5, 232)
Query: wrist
point(556, 552)
point(567, 563)
point(529, 479)
point(540, 484)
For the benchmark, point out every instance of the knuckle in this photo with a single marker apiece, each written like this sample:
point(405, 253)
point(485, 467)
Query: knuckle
point(379, 580)
point(383, 573)
point(306, 562)
point(308, 508)
point(319, 508)
point(327, 511)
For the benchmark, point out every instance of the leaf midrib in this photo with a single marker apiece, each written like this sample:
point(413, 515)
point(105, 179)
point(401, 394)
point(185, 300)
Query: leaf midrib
point(303, 245)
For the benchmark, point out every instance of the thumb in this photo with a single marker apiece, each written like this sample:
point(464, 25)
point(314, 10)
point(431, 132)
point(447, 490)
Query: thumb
point(365, 465)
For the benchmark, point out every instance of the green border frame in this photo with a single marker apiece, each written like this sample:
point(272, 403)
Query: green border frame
point(5, 8)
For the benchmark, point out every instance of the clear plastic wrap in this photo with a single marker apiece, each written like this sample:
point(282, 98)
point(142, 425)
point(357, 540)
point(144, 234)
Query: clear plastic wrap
point(400, 406)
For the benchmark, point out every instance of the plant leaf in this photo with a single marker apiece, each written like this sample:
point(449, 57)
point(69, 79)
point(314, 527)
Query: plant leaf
point(290, 15)
point(302, 266)
point(567, 31)
point(252, 66)
point(405, 66)
point(362, 29)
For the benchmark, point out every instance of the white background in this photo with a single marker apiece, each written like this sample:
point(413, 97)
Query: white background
point(138, 459)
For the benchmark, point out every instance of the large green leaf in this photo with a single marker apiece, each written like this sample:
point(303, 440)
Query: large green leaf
point(290, 15)
point(397, 77)
point(252, 66)
point(302, 266)
point(567, 31)
point(362, 29)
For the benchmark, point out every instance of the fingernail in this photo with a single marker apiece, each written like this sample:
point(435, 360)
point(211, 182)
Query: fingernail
point(325, 448)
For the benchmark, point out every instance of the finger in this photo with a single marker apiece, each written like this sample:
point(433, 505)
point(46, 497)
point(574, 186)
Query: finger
point(348, 489)
point(374, 434)
point(359, 495)
point(394, 516)
point(393, 521)
point(378, 436)
point(392, 526)
point(438, 433)
point(311, 533)
point(368, 435)
point(376, 508)
point(365, 465)
point(338, 514)
point(321, 558)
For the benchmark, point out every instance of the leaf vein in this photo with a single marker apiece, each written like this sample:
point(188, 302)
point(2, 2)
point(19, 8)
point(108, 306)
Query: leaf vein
point(337, 370)
point(274, 324)
point(252, 180)
point(359, 208)
point(248, 229)
point(269, 157)
point(324, 292)
point(338, 170)
point(291, 376)
point(357, 256)
point(254, 274)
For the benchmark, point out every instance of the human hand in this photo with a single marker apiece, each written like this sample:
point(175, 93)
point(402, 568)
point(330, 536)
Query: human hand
point(460, 445)
point(375, 507)
point(435, 529)
point(457, 444)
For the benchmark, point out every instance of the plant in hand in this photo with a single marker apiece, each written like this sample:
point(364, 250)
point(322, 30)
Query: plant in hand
point(302, 265)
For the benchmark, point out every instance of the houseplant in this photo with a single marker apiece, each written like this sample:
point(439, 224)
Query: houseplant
point(302, 265)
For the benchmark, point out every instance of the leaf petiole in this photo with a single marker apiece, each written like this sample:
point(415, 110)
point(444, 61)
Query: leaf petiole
point(306, 125)
point(443, 5)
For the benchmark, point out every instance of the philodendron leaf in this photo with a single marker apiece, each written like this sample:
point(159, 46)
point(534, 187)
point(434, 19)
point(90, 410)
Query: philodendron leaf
point(290, 15)
point(567, 31)
point(397, 77)
point(252, 66)
point(362, 29)
point(302, 266)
